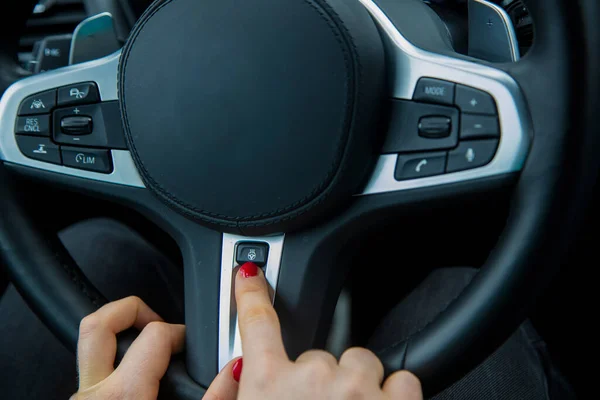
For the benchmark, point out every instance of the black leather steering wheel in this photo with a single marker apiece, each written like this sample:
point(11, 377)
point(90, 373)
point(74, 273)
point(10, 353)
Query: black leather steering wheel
point(264, 121)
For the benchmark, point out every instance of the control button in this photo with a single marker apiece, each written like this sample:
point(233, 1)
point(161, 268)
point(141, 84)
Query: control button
point(478, 126)
point(252, 252)
point(403, 129)
point(40, 103)
point(76, 125)
point(435, 127)
point(471, 154)
point(434, 91)
point(105, 129)
point(53, 52)
point(39, 148)
point(38, 125)
point(474, 101)
point(88, 159)
point(411, 166)
point(80, 93)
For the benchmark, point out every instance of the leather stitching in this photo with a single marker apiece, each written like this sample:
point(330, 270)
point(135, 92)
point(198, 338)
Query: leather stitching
point(224, 220)
point(76, 276)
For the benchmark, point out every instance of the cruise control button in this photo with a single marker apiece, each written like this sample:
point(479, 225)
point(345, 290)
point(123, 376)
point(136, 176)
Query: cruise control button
point(411, 166)
point(88, 159)
point(478, 126)
point(471, 154)
point(434, 91)
point(252, 252)
point(80, 93)
point(406, 127)
point(76, 125)
point(435, 127)
point(39, 148)
point(105, 129)
point(40, 103)
point(36, 125)
point(474, 101)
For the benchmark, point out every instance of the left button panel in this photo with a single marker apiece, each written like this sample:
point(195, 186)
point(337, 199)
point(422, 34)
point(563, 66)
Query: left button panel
point(39, 103)
point(39, 148)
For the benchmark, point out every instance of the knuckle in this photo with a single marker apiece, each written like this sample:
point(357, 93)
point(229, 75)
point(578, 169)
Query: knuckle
point(358, 353)
point(250, 288)
point(133, 301)
point(157, 329)
point(89, 324)
point(354, 387)
point(259, 313)
point(319, 371)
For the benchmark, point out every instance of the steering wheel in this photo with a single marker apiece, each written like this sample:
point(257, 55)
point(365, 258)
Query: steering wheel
point(281, 132)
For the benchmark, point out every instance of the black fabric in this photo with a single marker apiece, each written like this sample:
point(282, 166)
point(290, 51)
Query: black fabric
point(243, 122)
point(514, 371)
point(33, 363)
point(521, 368)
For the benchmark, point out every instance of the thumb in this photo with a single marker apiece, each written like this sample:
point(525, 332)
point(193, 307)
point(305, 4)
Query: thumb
point(225, 386)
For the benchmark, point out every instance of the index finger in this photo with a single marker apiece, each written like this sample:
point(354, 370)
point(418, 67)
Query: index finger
point(259, 325)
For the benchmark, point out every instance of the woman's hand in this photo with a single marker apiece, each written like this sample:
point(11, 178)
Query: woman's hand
point(146, 361)
point(268, 373)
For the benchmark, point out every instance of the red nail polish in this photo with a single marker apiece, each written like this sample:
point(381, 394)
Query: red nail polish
point(237, 369)
point(249, 269)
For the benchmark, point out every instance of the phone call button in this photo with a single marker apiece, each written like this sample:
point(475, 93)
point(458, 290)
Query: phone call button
point(412, 166)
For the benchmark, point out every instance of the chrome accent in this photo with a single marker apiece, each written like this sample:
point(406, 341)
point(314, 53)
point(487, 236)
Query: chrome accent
point(508, 24)
point(408, 64)
point(230, 343)
point(102, 71)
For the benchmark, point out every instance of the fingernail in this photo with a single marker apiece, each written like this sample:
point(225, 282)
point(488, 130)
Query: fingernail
point(237, 369)
point(249, 269)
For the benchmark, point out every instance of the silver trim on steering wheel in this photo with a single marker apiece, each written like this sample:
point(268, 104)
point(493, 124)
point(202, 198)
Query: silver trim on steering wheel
point(230, 342)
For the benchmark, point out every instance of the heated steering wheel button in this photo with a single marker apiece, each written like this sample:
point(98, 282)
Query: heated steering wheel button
point(478, 126)
point(35, 125)
point(87, 159)
point(471, 154)
point(252, 252)
point(435, 127)
point(40, 103)
point(39, 148)
point(412, 166)
point(80, 93)
point(474, 101)
point(434, 91)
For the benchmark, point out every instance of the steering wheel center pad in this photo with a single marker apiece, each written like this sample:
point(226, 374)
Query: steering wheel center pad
point(246, 131)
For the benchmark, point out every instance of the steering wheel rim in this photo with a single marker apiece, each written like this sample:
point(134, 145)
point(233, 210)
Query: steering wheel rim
point(549, 192)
